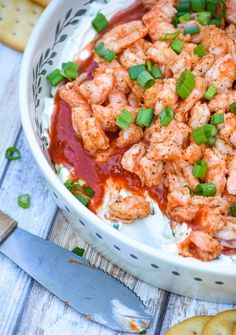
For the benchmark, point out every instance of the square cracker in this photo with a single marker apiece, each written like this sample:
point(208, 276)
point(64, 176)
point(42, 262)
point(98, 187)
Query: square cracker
point(17, 19)
point(43, 3)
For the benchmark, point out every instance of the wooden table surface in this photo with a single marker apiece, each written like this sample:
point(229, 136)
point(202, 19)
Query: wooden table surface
point(26, 307)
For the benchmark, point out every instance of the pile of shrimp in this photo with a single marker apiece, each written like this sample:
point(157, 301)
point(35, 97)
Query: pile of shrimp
point(166, 155)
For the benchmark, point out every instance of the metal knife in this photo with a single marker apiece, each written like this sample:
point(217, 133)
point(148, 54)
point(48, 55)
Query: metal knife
point(90, 291)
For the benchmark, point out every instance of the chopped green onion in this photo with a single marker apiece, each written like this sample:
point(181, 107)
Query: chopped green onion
point(192, 30)
point(185, 18)
point(84, 200)
point(89, 191)
point(204, 134)
point(178, 14)
point(221, 12)
point(166, 116)
point(204, 18)
point(145, 117)
point(78, 251)
point(170, 36)
point(200, 169)
point(177, 46)
point(124, 119)
point(104, 52)
point(206, 189)
point(149, 65)
point(70, 70)
point(211, 6)
point(175, 21)
point(12, 154)
point(68, 184)
point(81, 182)
point(185, 84)
point(215, 22)
point(232, 108)
point(233, 210)
point(212, 140)
point(135, 70)
point(183, 6)
point(156, 72)
point(217, 118)
point(209, 94)
point(145, 80)
point(200, 51)
point(24, 200)
point(55, 77)
point(100, 22)
point(197, 5)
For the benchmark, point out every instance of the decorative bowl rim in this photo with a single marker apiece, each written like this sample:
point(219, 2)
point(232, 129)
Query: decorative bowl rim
point(46, 169)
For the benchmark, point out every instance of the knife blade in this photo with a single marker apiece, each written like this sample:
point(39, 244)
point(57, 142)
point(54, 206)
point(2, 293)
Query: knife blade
point(90, 291)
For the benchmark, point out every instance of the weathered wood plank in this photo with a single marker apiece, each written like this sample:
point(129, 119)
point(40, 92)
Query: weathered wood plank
point(180, 308)
point(9, 108)
point(22, 177)
point(45, 314)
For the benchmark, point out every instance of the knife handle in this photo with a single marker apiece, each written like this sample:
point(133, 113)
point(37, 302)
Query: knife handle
point(7, 225)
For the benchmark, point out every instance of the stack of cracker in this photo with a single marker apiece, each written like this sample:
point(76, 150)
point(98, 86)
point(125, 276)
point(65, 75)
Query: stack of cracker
point(17, 20)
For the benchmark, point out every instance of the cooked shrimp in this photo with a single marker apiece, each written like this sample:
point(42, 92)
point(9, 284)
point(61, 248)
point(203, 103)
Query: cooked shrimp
point(78, 114)
point(227, 130)
point(151, 172)
point(97, 90)
point(133, 134)
point(214, 41)
point(134, 55)
point(167, 96)
point(124, 35)
point(131, 158)
point(151, 95)
point(186, 105)
point(224, 148)
point(92, 134)
point(231, 32)
point(196, 38)
point(228, 231)
point(222, 101)
point(71, 95)
point(187, 171)
point(183, 61)
point(203, 65)
point(129, 208)
point(161, 53)
point(231, 11)
point(222, 74)
point(117, 97)
point(200, 115)
point(133, 100)
point(216, 170)
point(231, 181)
point(193, 152)
point(107, 115)
point(202, 244)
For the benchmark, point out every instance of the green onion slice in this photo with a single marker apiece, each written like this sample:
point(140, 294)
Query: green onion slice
point(104, 52)
point(206, 189)
point(233, 210)
point(83, 199)
point(200, 51)
point(100, 22)
point(24, 200)
point(135, 70)
point(156, 72)
point(215, 22)
point(185, 17)
point(124, 119)
point(175, 21)
point(217, 118)
point(212, 140)
point(55, 77)
point(78, 251)
point(185, 84)
point(232, 108)
point(166, 116)
point(170, 36)
point(200, 169)
point(204, 134)
point(12, 154)
point(192, 30)
point(210, 130)
point(197, 5)
point(183, 6)
point(145, 117)
point(145, 80)
point(177, 46)
point(89, 191)
point(70, 70)
point(210, 93)
point(82, 182)
point(68, 184)
point(204, 18)
point(149, 66)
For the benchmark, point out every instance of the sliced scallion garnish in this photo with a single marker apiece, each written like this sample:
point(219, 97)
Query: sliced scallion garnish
point(70, 70)
point(205, 189)
point(185, 84)
point(12, 154)
point(200, 51)
point(100, 22)
point(83, 199)
point(217, 118)
point(144, 117)
point(124, 119)
point(233, 210)
point(209, 94)
point(156, 72)
point(24, 200)
point(232, 108)
point(89, 191)
point(170, 36)
point(177, 46)
point(205, 134)
point(204, 18)
point(78, 251)
point(166, 116)
point(192, 30)
point(135, 70)
point(183, 6)
point(185, 18)
point(215, 22)
point(197, 5)
point(145, 80)
point(55, 77)
point(200, 169)
point(104, 52)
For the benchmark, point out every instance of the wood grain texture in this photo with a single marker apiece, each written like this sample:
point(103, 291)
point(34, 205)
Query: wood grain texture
point(59, 319)
point(7, 225)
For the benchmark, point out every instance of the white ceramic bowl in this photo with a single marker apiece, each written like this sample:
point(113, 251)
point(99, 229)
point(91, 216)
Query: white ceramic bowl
point(209, 281)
